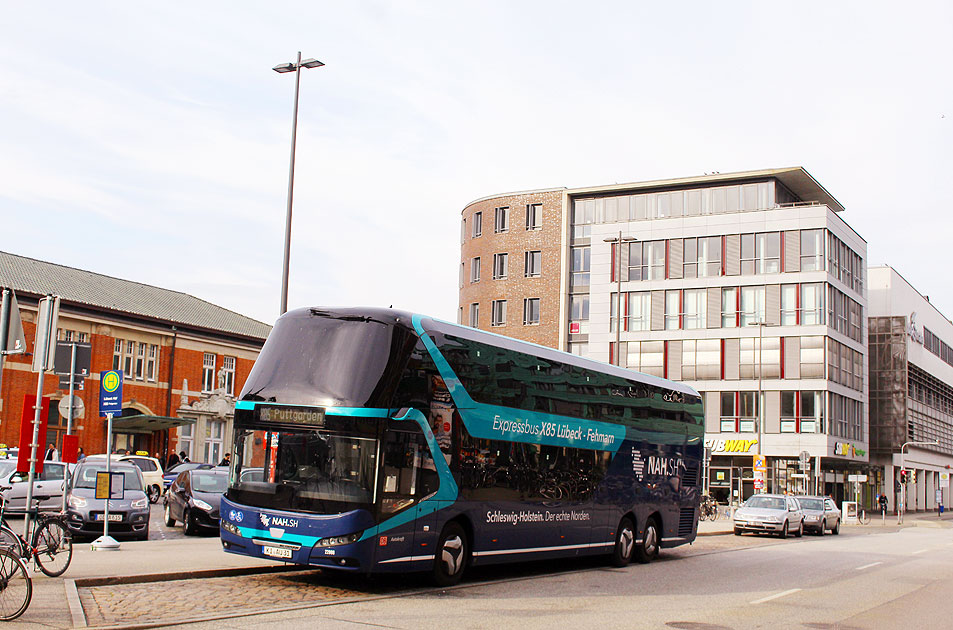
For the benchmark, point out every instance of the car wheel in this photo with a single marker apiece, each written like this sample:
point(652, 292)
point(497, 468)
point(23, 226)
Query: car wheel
point(624, 543)
point(169, 521)
point(823, 529)
point(836, 529)
point(737, 532)
point(189, 523)
point(649, 548)
point(154, 494)
point(451, 558)
point(800, 529)
point(784, 530)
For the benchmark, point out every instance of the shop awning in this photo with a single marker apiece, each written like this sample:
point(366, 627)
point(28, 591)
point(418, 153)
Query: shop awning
point(147, 424)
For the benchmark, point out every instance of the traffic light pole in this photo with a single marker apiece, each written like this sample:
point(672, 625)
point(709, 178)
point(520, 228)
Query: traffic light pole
point(903, 478)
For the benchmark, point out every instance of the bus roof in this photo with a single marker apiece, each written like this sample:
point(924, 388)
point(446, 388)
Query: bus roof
point(405, 319)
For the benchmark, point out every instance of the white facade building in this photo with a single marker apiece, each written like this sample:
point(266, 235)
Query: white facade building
point(911, 391)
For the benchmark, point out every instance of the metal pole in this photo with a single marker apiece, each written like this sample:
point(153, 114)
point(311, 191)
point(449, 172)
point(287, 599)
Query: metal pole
point(37, 409)
point(69, 415)
point(109, 458)
point(4, 322)
point(618, 306)
point(291, 180)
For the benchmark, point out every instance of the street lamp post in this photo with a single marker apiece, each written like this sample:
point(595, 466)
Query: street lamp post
point(296, 68)
point(618, 306)
point(760, 324)
point(903, 486)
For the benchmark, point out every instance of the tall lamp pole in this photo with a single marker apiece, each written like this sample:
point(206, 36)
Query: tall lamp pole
point(760, 324)
point(903, 487)
point(618, 303)
point(296, 68)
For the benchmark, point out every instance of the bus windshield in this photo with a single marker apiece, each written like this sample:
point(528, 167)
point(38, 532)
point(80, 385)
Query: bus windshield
point(313, 359)
point(310, 471)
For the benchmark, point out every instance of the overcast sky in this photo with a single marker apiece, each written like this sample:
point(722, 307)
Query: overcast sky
point(151, 141)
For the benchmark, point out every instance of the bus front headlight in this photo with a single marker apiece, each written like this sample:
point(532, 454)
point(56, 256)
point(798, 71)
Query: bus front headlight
point(231, 529)
point(333, 541)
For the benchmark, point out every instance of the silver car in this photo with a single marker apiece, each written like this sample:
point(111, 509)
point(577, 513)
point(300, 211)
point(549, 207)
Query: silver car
point(128, 516)
point(48, 486)
point(772, 513)
point(820, 515)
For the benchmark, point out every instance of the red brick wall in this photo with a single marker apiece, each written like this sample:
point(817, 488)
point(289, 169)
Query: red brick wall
point(18, 383)
point(515, 287)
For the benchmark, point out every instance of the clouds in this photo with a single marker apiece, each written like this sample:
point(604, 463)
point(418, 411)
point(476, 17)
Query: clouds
point(152, 143)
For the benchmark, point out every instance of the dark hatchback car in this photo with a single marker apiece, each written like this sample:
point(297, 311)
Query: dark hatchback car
point(128, 516)
point(194, 497)
point(171, 474)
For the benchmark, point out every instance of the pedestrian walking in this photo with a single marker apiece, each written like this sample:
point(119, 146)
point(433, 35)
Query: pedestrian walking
point(227, 460)
point(183, 457)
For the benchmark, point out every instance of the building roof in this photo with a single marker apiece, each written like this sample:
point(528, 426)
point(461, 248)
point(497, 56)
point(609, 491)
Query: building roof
point(796, 178)
point(37, 277)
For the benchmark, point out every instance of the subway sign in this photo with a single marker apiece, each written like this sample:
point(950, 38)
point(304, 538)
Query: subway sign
point(721, 447)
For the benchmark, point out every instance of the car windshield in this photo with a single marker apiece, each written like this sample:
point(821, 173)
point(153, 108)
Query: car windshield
point(812, 504)
point(209, 482)
point(85, 477)
point(765, 503)
point(7, 466)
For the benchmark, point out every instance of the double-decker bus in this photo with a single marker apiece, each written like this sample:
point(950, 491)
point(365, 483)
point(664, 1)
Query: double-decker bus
point(374, 440)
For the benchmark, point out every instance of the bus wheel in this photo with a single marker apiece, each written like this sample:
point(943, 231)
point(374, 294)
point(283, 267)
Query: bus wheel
point(451, 558)
point(624, 543)
point(648, 549)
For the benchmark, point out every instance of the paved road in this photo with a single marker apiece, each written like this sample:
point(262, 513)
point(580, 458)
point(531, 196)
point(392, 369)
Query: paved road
point(865, 578)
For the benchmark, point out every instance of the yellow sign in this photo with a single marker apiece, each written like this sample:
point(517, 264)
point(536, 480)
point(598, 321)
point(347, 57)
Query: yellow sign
point(760, 463)
point(103, 490)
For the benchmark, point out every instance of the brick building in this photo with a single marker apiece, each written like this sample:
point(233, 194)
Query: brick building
point(183, 359)
point(748, 286)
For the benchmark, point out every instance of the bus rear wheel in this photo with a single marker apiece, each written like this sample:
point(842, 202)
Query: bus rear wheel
point(451, 558)
point(648, 549)
point(624, 543)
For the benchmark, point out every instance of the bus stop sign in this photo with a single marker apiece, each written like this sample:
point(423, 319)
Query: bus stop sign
point(110, 392)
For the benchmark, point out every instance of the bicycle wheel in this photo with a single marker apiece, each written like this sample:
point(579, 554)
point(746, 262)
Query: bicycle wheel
point(10, 540)
point(16, 587)
point(53, 547)
point(863, 518)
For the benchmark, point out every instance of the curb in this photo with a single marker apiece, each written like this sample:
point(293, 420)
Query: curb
point(78, 614)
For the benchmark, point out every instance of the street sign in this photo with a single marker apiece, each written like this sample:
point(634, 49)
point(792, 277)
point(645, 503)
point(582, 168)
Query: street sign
point(77, 407)
point(760, 463)
point(798, 475)
point(110, 392)
point(856, 477)
point(64, 353)
point(79, 382)
point(44, 347)
point(12, 332)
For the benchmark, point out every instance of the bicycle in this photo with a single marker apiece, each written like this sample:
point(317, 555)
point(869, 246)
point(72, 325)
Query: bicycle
point(51, 547)
point(16, 585)
point(863, 518)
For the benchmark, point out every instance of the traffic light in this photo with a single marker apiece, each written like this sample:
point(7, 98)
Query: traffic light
point(913, 476)
point(903, 475)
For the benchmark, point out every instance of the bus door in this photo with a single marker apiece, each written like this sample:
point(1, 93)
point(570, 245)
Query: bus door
point(408, 476)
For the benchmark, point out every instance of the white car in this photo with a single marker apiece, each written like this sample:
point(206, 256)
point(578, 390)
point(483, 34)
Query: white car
point(150, 468)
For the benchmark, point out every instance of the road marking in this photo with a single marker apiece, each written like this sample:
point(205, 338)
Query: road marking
point(867, 566)
point(919, 551)
point(775, 596)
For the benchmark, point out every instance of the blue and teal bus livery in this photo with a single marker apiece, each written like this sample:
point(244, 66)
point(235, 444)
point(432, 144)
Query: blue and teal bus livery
point(386, 441)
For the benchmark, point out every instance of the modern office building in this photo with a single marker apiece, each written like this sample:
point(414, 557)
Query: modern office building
point(748, 286)
point(911, 391)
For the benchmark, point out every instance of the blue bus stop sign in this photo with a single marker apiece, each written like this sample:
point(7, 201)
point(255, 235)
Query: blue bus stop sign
point(110, 392)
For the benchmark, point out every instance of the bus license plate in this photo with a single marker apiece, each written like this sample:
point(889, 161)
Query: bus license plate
point(112, 517)
point(276, 552)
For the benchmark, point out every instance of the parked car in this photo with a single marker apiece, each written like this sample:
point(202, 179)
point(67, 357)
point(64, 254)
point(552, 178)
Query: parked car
point(194, 499)
point(820, 515)
point(152, 476)
point(128, 516)
point(252, 474)
point(172, 473)
point(48, 486)
point(772, 513)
